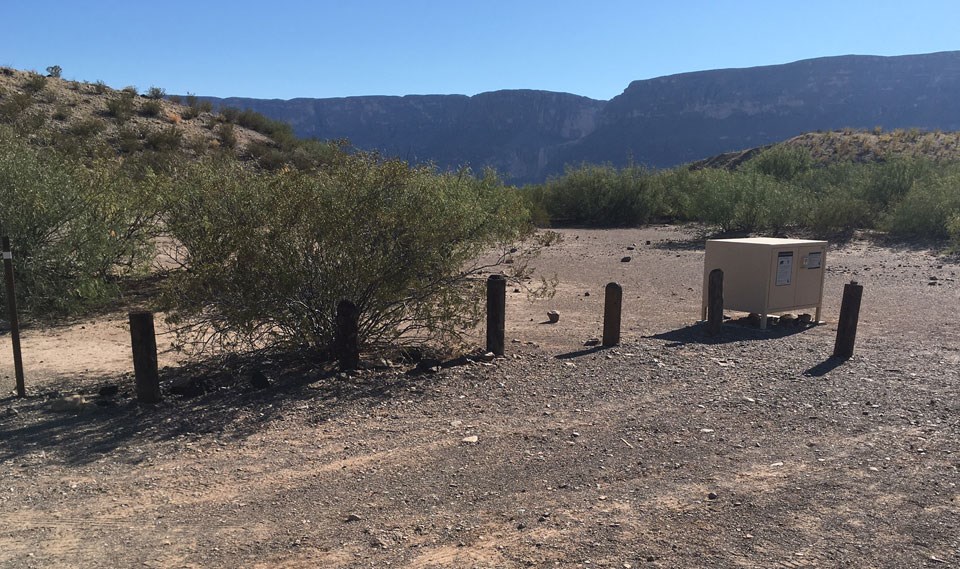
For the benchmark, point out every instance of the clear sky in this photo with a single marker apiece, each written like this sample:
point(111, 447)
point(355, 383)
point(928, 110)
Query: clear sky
point(326, 48)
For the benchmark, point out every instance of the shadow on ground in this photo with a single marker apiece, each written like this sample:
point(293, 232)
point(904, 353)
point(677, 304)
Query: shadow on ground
point(732, 331)
point(225, 402)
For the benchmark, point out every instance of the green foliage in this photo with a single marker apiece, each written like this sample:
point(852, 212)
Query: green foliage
point(781, 162)
point(953, 229)
point(230, 114)
point(151, 108)
point(86, 128)
point(227, 135)
point(164, 140)
point(14, 105)
point(156, 93)
point(270, 255)
point(54, 71)
point(603, 196)
point(121, 107)
point(99, 87)
point(73, 226)
point(34, 83)
point(777, 190)
point(928, 208)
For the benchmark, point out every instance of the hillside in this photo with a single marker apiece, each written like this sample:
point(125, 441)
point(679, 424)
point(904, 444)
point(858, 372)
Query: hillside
point(94, 119)
point(861, 147)
point(661, 122)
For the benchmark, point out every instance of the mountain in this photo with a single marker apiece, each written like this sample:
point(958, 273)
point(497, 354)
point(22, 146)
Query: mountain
point(661, 122)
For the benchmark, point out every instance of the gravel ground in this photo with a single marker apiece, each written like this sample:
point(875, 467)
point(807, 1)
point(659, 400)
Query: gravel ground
point(674, 449)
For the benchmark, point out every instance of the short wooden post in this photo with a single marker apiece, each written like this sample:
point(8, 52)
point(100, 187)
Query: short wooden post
point(143, 339)
point(612, 305)
point(715, 302)
point(849, 318)
point(347, 340)
point(496, 313)
point(14, 320)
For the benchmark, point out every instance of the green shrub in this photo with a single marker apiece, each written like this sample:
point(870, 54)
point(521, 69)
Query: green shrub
point(61, 113)
point(54, 71)
point(230, 114)
point(14, 105)
point(164, 140)
point(782, 162)
point(151, 108)
point(156, 93)
point(73, 226)
point(270, 255)
point(953, 229)
point(227, 135)
point(34, 83)
point(120, 107)
point(86, 128)
point(99, 87)
point(928, 208)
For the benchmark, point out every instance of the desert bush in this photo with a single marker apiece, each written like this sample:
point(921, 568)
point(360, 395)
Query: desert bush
point(603, 196)
point(227, 135)
point(87, 127)
point(14, 105)
point(953, 229)
point(151, 108)
point(120, 107)
point(270, 255)
point(54, 71)
point(100, 87)
point(74, 227)
point(781, 162)
point(34, 83)
point(230, 114)
point(164, 140)
point(928, 207)
point(61, 113)
point(156, 93)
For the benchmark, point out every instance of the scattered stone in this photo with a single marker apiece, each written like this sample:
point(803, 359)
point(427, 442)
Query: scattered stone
point(486, 357)
point(806, 318)
point(712, 496)
point(516, 290)
point(592, 342)
point(626, 259)
point(472, 439)
point(428, 365)
point(188, 387)
point(553, 316)
point(353, 518)
point(587, 293)
point(630, 248)
point(69, 403)
point(648, 242)
point(788, 319)
point(109, 390)
point(259, 380)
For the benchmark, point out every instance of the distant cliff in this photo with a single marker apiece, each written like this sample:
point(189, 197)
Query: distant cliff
point(517, 132)
point(528, 135)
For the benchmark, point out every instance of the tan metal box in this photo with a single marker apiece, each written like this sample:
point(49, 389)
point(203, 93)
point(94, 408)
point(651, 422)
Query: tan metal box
point(766, 275)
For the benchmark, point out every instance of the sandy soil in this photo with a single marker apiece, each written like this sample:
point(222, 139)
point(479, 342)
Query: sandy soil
point(672, 450)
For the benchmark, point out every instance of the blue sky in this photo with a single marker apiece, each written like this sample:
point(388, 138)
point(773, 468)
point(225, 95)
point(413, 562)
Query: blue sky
point(285, 49)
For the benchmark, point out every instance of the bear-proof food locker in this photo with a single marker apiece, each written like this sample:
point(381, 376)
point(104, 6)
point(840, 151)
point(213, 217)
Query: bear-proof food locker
point(766, 275)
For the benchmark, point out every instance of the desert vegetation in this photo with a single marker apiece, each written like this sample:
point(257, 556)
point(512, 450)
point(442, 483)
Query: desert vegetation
point(783, 187)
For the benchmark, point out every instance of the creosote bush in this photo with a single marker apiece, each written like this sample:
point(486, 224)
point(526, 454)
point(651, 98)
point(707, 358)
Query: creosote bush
point(74, 227)
point(268, 256)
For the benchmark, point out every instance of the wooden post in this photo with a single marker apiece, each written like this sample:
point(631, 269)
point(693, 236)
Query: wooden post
point(347, 342)
point(14, 320)
point(715, 302)
point(612, 305)
point(849, 317)
point(143, 339)
point(496, 313)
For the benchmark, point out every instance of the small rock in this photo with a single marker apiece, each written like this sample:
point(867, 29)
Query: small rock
point(586, 293)
point(712, 496)
point(259, 380)
point(109, 390)
point(353, 518)
point(592, 342)
point(553, 316)
point(626, 259)
point(472, 439)
point(486, 357)
point(69, 403)
point(630, 248)
point(648, 242)
point(805, 318)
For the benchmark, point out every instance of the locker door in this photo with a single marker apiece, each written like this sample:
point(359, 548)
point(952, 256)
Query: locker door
point(810, 275)
point(783, 280)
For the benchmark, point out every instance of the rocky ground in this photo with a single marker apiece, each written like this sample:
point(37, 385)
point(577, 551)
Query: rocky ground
point(675, 449)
